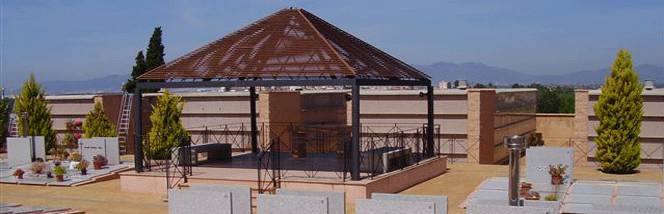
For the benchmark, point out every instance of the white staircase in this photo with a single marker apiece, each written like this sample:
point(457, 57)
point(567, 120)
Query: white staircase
point(123, 121)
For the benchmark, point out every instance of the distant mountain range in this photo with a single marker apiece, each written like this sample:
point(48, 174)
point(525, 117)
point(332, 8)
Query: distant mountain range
point(111, 83)
point(476, 72)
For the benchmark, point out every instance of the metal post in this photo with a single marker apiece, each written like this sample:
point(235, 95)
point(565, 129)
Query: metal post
point(138, 130)
point(515, 144)
point(355, 144)
point(430, 144)
point(254, 127)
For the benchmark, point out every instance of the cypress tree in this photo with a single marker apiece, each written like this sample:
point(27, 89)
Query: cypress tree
point(155, 54)
point(97, 124)
point(153, 59)
point(31, 100)
point(619, 110)
point(167, 129)
point(139, 69)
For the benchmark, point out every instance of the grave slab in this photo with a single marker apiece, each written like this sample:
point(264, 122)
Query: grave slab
point(241, 195)
point(105, 146)
point(577, 208)
point(588, 199)
point(638, 200)
point(538, 160)
point(592, 189)
point(495, 184)
point(490, 194)
point(501, 209)
point(184, 202)
point(440, 202)
point(278, 204)
point(335, 200)
point(375, 206)
point(651, 191)
point(616, 208)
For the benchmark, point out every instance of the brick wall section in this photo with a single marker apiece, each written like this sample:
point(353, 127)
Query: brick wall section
point(557, 129)
point(481, 108)
point(580, 136)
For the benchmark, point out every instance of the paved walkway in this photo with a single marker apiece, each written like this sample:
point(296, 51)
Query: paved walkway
point(106, 197)
point(101, 197)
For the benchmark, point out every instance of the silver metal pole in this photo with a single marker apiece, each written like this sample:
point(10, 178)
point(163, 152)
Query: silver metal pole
point(515, 144)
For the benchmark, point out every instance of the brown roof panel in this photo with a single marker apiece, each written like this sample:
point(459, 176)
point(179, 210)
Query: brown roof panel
point(289, 43)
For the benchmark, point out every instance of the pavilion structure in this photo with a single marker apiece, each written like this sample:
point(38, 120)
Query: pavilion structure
point(291, 47)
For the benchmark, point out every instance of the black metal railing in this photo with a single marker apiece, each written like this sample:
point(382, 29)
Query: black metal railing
point(291, 150)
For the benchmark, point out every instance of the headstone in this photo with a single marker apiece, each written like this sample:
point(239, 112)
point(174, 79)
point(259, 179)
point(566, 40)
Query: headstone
point(440, 202)
point(503, 209)
point(19, 150)
point(335, 200)
point(278, 204)
point(615, 208)
point(538, 160)
point(105, 146)
point(372, 206)
point(241, 195)
point(112, 150)
point(182, 201)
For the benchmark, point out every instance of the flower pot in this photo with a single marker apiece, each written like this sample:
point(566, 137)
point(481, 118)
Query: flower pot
point(59, 178)
point(19, 176)
point(97, 166)
point(84, 171)
point(556, 179)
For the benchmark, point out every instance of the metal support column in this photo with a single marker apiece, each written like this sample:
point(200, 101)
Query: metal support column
point(254, 126)
point(355, 144)
point(430, 143)
point(515, 144)
point(138, 130)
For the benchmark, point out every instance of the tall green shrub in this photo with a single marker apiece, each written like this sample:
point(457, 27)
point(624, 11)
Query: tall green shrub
point(31, 100)
point(97, 124)
point(4, 120)
point(167, 129)
point(619, 110)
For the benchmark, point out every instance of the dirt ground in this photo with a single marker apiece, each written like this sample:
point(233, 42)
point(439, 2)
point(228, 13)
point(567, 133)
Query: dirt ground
point(106, 196)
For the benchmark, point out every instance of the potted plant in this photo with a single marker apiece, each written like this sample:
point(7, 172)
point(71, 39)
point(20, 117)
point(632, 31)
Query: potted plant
point(19, 173)
point(551, 198)
point(556, 173)
point(75, 156)
point(59, 172)
point(37, 167)
point(83, 166)
point(99, 161)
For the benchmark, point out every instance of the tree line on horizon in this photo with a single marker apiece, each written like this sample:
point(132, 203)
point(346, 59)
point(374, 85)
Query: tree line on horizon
point(550, 99)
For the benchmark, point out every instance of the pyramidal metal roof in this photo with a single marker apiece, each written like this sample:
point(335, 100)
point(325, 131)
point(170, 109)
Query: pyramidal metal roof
point(289, 44)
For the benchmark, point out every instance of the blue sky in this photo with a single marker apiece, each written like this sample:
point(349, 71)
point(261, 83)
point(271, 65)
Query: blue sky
point(59, 40)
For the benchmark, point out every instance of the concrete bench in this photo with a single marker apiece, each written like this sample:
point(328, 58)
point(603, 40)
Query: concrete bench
point(386, 159)
point(213, 151)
